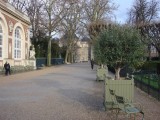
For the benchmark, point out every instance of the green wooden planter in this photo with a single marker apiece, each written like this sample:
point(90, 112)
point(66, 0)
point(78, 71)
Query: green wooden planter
point(123, 88)
point(101, 73)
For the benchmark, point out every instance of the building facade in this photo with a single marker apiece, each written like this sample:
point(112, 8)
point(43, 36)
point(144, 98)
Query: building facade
point(14, 36)
point(82, 52)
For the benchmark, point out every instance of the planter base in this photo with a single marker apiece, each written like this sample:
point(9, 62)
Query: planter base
point(101, 73)
point(124, 88)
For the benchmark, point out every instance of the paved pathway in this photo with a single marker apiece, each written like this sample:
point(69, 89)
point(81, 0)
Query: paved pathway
point(65, 92)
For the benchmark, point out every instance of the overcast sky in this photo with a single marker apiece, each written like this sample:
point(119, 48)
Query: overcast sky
point(121, 12)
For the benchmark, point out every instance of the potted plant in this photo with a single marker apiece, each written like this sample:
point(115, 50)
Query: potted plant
point(117, 47)
point(102, 72)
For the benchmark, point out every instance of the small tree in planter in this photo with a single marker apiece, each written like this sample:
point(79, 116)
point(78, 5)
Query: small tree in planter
point(118, 46)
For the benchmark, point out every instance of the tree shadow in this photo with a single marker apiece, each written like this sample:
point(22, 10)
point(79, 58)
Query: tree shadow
point(92, 101)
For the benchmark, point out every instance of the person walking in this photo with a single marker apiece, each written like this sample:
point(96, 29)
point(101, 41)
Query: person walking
point(92, 64)
point(7, 68)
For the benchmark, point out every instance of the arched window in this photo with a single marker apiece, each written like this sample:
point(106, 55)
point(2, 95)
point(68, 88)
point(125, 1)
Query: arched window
point(1, 40)
point(17, 44)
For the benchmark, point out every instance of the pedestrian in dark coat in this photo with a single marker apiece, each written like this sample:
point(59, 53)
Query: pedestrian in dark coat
point(7, 68)
point(92, 64)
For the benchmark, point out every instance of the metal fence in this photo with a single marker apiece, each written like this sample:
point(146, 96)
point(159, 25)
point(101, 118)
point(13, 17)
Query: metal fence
point(149, 82)
point(43, 61)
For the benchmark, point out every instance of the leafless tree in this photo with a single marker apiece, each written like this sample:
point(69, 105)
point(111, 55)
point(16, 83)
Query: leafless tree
point(33, 8)
point(98, 10)
point(34, 12)
point(54, 12)
point(152, 33)
point(71, 26)
point(143, 12)
point(19, 4)
point(97, 14)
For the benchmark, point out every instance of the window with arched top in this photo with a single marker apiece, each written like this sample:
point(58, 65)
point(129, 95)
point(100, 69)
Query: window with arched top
point(17, 44)
point(1, 40)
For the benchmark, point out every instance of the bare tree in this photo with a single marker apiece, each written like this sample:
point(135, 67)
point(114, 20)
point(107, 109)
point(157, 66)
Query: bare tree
point(54, 12)
point(38, 34)
point(98, 10)
point(152, 33)
point(97, 14)
point(33, 8)
point(34, 11)
point(19, 4)
point(143, 12)
point(71, 27)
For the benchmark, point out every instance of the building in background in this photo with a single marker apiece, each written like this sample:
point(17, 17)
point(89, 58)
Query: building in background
point(82, 52)
point(14, 36)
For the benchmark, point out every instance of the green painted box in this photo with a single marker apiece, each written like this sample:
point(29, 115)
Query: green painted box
point(101, 73)
point(123, 88)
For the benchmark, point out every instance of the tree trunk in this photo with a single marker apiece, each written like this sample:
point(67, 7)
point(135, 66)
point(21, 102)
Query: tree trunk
point(49, 43)
point(66, 56)
point(69, 57)
point(72, 58)
point(49, 53)
point(102, 66)
point(68, 53)
point(117, 75)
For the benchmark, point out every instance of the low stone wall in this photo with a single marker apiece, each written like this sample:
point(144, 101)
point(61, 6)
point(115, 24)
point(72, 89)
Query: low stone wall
point(18, 62)
point(17, 69)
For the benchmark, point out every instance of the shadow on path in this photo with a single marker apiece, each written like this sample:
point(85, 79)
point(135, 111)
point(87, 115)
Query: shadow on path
point(91, 101)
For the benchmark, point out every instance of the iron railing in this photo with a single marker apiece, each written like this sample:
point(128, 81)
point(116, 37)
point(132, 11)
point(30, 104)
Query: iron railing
point(149, 82)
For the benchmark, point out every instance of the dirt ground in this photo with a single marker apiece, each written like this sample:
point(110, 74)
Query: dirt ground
point(65, 92)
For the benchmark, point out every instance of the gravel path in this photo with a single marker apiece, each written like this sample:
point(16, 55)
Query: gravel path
point(65, 92)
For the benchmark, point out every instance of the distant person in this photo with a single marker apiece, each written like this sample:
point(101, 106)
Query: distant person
point(92, 64)
point(7, 68)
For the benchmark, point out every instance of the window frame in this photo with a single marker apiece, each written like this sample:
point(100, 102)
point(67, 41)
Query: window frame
point(1, 46)
point(17, 44)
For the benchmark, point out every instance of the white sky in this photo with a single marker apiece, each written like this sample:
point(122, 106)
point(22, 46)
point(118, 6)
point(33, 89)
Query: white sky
point(121, 12)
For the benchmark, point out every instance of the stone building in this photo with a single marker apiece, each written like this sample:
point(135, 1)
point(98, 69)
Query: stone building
point(82, 52)
point(14, 36)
